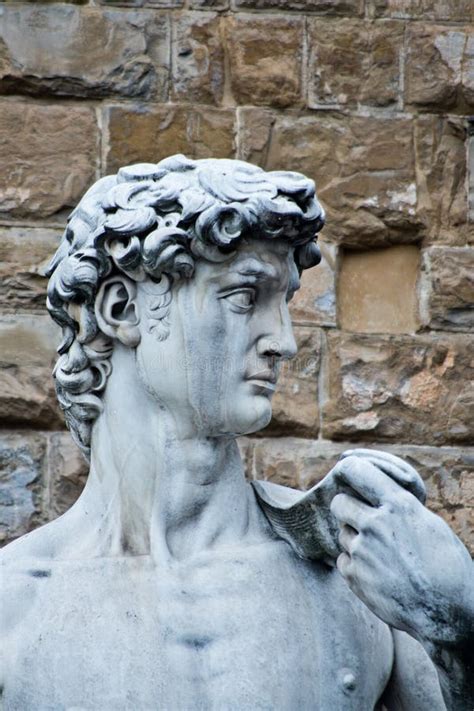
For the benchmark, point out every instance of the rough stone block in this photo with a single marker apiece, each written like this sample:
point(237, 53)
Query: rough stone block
point(439, 70)
point(68, 472)
point(24, 254)
point(70, 51)
point(353, 62)
point(22, 479)
point(324, 7)
point(449, 285)
point(265, 59)
point(440, 146)
point(37, 176)
point(295, 403)
point(27, 353)
point(158, 4)
point(364, 169)
point(406, 389)
point(198, 58)
point(470, 181)
point(377, 290)
point(453, 10)
point(209, 5)
point(315, 302)
point(150, 134)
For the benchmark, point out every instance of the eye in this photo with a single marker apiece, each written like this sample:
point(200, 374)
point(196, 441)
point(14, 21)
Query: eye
point(242, 299)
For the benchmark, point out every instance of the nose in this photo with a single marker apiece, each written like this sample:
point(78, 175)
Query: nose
point(278, 341)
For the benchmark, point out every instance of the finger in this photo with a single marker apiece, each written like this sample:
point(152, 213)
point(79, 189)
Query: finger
point(403, 473)
point(343, 562)
point(350, 511)
point(367, 480)
point(347, 537)
point(392, 458)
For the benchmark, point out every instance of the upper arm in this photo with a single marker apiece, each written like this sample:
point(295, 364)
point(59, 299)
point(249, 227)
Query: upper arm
point(414, 682)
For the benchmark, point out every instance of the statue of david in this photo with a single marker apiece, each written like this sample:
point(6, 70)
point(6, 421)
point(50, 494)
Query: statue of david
point(172, 583)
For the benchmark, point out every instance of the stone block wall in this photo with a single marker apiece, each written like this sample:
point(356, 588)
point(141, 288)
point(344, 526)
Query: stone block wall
point(372, 99)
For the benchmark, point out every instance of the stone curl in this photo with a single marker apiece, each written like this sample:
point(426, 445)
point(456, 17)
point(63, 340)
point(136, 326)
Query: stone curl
point(151, 220)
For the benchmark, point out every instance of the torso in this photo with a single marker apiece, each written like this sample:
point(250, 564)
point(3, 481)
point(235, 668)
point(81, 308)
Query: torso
point(238, 628)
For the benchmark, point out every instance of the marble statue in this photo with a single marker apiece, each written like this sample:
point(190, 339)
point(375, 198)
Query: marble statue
point(172, 583)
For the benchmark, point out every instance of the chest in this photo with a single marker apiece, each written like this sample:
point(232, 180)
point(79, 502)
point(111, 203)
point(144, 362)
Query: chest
point(253, 631)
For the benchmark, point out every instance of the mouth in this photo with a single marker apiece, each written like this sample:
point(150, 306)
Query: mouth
point(265, 379)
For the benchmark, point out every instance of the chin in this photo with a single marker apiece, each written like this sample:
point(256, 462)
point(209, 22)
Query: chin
point(253, 418)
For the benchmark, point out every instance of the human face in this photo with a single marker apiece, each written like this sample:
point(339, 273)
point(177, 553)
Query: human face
point(217, 370)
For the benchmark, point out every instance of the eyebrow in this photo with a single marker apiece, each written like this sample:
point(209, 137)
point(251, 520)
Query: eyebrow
point(257, 269)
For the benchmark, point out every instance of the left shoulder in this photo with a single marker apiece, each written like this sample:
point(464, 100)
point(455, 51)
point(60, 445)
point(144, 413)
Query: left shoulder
point(301, 518)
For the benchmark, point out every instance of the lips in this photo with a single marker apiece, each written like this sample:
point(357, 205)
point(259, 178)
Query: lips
point(265, 376)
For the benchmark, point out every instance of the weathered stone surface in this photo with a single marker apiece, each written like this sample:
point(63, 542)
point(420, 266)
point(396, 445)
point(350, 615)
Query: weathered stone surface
point(354, 62)
point(150, 134)
point(27, 353)
point(68, 473)
point(363, 166)
point(198, 58)
point(439, 71)
point(37, 176)
point(326, 7)
point(22, 477)
point(416, 389)
point(448, 472)
point(315, 302)
point(24, 253)
point(449, 285)
point(69, 51)
point(160, 4)
point(295, 403)
point(377, 290)
point(209, 4)
point(440, 146)
point(265, 59)
point(454, 10)
point(470, 182)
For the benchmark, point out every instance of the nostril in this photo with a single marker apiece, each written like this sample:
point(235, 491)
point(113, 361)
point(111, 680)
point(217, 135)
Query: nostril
point(273, 350)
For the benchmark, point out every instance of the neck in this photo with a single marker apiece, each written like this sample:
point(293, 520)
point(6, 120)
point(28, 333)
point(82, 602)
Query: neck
point(153, 489)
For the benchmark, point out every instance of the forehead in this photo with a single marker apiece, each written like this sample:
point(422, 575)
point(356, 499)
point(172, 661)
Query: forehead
point(258, 259)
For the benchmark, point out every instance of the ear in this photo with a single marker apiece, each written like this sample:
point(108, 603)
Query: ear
point(116, 310)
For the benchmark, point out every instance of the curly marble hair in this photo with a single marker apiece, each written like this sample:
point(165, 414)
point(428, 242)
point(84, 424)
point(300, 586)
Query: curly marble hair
point(153, 221)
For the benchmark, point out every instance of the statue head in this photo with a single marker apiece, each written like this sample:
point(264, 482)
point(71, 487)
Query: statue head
point(166, 259)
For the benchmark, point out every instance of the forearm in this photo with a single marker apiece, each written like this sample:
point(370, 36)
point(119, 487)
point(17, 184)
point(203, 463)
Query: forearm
point(455, 667)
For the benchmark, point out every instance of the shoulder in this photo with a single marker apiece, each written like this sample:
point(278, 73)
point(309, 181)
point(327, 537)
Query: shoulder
point(301, 518)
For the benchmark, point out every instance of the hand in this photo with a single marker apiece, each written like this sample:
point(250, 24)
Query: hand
point(399, 558)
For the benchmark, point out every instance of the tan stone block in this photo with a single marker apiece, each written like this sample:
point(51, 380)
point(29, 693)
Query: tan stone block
point(377, 290)
point(156, 4)
point(439, 70)
point(294, 462)
point(363, 167)
point(37, 174)
point(462, 523)
point(353, 62)
point(198, 58)
point(27, 354)
point(449, 284)
point(22, 481)
point(324, 7)
point(66, 50)
point(440, 147)
point(149, 134)
point(295, 403)
point(265, 59)
point(453, 10)
point(24, 254)
point(406, 389)
point(68, 473)
point(209, 5)
point(315, 301)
